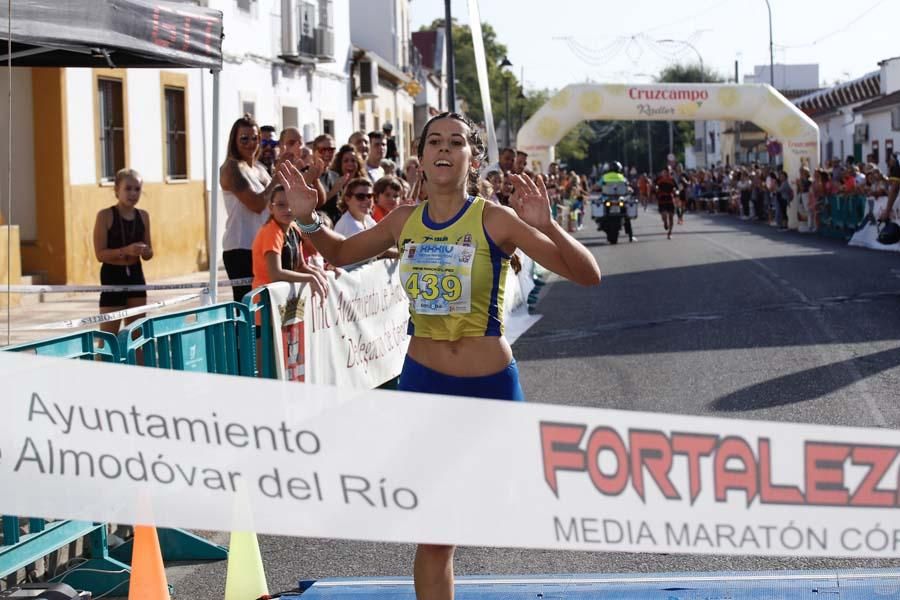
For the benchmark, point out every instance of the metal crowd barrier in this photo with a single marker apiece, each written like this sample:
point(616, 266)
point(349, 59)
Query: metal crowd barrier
point(27, 541)
point(258, 302)
point(212, 339)
point(841, 216)
point(200, 339)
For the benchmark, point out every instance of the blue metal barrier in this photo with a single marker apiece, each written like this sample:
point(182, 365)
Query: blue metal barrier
point(842, 216)
point(200, 339)
point(26, 541)
point(211, 339)
point(258, 302)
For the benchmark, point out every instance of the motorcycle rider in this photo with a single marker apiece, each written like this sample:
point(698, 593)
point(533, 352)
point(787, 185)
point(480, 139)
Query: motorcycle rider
point(613, 174)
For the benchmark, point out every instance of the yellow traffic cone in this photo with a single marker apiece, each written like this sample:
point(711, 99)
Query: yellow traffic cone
point(148, 576)
point(245, 578)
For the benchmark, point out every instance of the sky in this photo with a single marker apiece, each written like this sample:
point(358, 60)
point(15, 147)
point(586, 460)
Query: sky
point(567, 41)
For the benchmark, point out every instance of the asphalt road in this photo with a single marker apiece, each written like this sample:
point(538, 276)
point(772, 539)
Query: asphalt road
point(729, 319)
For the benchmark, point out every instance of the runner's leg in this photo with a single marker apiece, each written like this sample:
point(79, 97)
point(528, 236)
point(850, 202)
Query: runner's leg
point(433, 572)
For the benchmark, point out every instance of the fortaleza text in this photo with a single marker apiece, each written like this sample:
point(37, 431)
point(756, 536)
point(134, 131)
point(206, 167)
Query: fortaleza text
point(738, 465)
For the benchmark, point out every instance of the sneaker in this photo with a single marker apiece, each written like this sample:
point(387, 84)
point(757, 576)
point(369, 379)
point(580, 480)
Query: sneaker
point(632, 239)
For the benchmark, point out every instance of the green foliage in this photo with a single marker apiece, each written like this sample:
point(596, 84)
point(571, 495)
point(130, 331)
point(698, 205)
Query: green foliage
point(467, 77)
point(575, 145)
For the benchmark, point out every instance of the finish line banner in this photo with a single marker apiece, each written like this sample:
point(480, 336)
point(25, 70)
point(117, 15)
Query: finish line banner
point(235, 454)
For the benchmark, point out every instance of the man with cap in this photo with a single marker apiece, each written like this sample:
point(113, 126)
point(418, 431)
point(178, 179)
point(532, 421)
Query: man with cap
point(391, 153)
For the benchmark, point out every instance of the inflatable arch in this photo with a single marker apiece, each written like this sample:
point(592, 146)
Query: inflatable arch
point(758, 103)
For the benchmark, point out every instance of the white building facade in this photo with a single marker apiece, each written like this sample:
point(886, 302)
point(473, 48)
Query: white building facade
point(384, 85)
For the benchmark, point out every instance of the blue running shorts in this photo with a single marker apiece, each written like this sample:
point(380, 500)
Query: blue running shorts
point(504, 385)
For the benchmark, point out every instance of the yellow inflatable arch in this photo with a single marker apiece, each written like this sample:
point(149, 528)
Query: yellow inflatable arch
point(758, 103)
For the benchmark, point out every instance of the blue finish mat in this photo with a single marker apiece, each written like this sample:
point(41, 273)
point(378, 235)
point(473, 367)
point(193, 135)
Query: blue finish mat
point(882, 584)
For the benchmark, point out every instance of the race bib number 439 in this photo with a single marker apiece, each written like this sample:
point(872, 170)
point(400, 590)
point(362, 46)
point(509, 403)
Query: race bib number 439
point(438, 277)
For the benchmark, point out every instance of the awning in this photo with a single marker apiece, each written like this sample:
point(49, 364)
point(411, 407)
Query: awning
point(111, 33)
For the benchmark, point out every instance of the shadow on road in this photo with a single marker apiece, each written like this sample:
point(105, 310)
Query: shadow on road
point(807, 385)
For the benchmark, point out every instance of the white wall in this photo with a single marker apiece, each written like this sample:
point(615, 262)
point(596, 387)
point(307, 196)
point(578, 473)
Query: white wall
point(372, 25)
point(144, 124)
point(787, 77)
point(890, 75)
point(880, 130)
point(23, 205)
point(82, 133)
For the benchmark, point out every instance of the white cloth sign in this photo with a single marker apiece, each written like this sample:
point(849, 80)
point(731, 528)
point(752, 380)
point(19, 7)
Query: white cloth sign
point(356, 339)
point(226, 453)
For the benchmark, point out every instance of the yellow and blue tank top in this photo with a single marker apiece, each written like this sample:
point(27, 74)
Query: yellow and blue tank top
point(453, 273)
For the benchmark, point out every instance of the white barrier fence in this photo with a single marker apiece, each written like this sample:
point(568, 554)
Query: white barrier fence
point(240, 454)
point(357, 338)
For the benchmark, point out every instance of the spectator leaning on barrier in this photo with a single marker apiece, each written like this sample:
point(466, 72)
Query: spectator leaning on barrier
point(277, 252)
point(457, 344)
point(121, 242)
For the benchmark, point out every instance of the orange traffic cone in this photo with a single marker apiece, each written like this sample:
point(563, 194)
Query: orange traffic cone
point(244, 578)
point(148, 576)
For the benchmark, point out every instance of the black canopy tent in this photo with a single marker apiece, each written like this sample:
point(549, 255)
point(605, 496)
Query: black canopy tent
point(120, 34)
point(112, 33)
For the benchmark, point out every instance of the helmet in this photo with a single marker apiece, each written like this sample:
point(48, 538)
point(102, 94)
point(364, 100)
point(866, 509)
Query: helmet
point(617, 166)
point(889, 233)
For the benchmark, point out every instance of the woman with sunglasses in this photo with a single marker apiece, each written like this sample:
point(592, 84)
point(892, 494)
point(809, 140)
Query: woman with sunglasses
point(245, 185)
point(454, 256)
point(357, 206)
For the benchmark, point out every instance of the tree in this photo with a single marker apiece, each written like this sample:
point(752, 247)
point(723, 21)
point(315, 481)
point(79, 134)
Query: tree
point(687, 73)
point(467, 86)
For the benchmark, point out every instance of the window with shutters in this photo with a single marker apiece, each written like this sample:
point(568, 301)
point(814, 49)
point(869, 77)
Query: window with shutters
point(112, 127)
point(176, 134)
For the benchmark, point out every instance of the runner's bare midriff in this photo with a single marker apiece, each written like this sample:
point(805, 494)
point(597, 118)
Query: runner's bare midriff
point(465, 357)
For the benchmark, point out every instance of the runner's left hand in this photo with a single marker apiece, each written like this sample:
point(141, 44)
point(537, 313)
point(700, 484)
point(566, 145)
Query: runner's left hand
point(531, 201)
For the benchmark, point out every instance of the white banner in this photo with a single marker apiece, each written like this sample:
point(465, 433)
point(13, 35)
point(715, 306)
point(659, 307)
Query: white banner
point(228, 453)
point(356, 339)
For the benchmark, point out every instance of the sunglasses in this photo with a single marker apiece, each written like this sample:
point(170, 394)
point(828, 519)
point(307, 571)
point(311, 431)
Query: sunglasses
point(363, 195)
point(327, 150)
point(247, 138)
point(268, 143)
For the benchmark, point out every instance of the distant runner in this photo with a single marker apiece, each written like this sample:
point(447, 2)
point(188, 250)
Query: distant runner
point(665, 200)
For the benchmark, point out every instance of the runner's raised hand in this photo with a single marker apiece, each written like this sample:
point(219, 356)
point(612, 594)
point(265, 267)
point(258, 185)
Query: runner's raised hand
point(300, 195)
point(531, 201)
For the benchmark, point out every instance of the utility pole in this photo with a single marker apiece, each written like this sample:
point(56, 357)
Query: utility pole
point(737, 124)
point(451, 71)
point(771, 48)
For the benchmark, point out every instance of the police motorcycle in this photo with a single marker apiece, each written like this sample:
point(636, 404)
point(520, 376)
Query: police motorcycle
point(613, 204)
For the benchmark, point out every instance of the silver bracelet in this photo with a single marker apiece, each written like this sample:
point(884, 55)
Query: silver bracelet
point(312, 227)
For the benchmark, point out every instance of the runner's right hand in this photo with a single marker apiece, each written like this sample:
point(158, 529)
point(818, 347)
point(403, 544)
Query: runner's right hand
point(300, 195)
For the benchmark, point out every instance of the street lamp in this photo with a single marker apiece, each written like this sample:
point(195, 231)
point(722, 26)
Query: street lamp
point(771, 52)
point(702, 78)
point(504, 67)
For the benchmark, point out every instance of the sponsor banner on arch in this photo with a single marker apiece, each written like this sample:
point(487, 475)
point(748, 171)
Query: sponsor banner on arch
point(191, 450)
